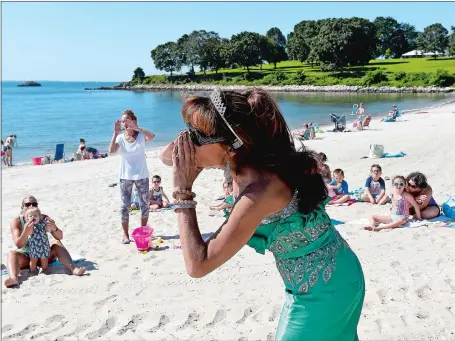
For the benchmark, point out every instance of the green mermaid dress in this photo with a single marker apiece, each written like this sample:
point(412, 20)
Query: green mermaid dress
point(323, 277)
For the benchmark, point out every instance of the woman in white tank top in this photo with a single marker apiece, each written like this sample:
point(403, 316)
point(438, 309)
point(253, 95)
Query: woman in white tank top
point(133, 167)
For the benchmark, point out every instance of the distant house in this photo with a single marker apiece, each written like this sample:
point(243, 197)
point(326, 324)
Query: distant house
point(420, 54)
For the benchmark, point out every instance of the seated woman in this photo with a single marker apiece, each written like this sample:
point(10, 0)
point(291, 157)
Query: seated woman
point(417, 186)
point(303, 134)
point(19, 259)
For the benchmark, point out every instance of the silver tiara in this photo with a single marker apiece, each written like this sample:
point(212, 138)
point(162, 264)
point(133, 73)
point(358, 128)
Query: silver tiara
point(215, 97)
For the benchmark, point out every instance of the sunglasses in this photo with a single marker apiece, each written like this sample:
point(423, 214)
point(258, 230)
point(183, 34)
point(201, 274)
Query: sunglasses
point(28, 204)
point(398, 184)
point(375, 171)
point(156, 182)
point(412, 186)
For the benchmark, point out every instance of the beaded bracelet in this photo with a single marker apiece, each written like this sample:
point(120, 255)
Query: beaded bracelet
point(176, 207)
point(185, 192)
point(185, 202)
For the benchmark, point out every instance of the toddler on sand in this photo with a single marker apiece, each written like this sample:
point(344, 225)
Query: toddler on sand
point(340, 187)
point(38, 243)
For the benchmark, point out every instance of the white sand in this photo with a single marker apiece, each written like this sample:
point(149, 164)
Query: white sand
point(410, 273)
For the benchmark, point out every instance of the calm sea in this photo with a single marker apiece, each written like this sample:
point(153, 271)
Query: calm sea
point(62, 112)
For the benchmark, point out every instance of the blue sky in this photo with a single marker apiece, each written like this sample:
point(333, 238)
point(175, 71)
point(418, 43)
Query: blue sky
point(106, 41)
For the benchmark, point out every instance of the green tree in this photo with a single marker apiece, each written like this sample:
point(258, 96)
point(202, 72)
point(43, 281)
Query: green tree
point(276, 36)
point(275, 50)
point(246, 49)
point(299, 41)
point(344, 42)
point(452, 42)
point(434, 39)
point(388, 54)
point(410, 34)
point(167, 57)
point(385, 28)
point(138, 75)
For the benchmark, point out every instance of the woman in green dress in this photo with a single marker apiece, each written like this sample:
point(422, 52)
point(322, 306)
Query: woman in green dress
point(280, 200)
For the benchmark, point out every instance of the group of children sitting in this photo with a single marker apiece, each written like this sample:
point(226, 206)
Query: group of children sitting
point(374, 193)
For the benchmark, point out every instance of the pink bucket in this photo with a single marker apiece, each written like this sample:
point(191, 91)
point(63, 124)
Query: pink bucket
point(142, 237)
point(36, 161)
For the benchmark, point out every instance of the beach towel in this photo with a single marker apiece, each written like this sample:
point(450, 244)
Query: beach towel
point(391, 155)
point(76, 259)
point(412, 224)
point(337, 222)
point(355, 194)
point(347, 203)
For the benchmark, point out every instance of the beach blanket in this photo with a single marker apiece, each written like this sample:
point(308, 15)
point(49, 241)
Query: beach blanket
point(391, 155)
point(412, 224)
point(76, 259)
point(347, 203)
point(355, 194)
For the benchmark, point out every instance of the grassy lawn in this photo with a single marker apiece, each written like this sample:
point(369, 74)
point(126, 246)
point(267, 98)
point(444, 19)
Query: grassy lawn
point(390, 72)
point(389, 65)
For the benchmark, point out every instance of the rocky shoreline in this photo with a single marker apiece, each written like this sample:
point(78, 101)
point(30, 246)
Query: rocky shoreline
point(283, 88)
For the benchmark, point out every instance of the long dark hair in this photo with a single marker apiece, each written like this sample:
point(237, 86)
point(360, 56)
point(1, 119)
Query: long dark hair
point(267, 141)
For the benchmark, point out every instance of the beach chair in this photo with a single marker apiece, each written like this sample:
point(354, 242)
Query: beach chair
point(366, 123)
point(399, 116)
point(340, 122)
point(59, 152)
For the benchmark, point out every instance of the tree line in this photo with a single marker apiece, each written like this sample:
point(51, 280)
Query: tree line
point(331, 44)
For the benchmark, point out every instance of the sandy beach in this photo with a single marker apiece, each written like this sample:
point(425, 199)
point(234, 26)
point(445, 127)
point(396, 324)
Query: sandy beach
point(126, 295)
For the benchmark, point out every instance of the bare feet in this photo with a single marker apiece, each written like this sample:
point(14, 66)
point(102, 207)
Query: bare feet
point(79, 271)
point(11, 282)
point(34, 272)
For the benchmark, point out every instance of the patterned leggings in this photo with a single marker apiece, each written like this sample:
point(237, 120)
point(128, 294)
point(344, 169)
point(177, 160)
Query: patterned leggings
point(126, 189)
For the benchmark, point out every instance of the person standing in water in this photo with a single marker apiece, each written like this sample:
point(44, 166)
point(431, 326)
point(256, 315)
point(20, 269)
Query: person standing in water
point(133, 167)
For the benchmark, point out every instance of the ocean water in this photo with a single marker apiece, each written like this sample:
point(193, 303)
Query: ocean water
point(63, 112)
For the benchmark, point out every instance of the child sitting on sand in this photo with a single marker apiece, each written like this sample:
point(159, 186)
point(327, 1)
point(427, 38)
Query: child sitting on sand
point(38, 243)
point(340, 186)
point(375, 187)
point(228, 202)
point(158, 199)
point(399, 211)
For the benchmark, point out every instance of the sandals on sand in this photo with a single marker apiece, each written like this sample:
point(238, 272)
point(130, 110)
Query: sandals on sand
point(126, 241)
point(113, 184)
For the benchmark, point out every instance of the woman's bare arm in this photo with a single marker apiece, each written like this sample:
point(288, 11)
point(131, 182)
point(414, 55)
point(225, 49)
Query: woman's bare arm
point(201, 257)
point(113, 145)
point(149, 136)
point(19, 238)
point(429, 193)
point(414, 204)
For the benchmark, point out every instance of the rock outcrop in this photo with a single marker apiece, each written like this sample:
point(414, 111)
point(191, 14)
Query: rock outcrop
point(284, 88)
point(29, 83)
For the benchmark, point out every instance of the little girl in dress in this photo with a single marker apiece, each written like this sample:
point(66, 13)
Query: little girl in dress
point(38, 243)
point(399, 211)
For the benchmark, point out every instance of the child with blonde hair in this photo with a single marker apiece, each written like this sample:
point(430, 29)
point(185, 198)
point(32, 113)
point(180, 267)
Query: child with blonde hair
point(38, 243)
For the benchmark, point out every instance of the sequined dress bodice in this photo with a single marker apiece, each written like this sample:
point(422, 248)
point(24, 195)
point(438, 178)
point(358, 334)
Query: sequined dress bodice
point(305, 246)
